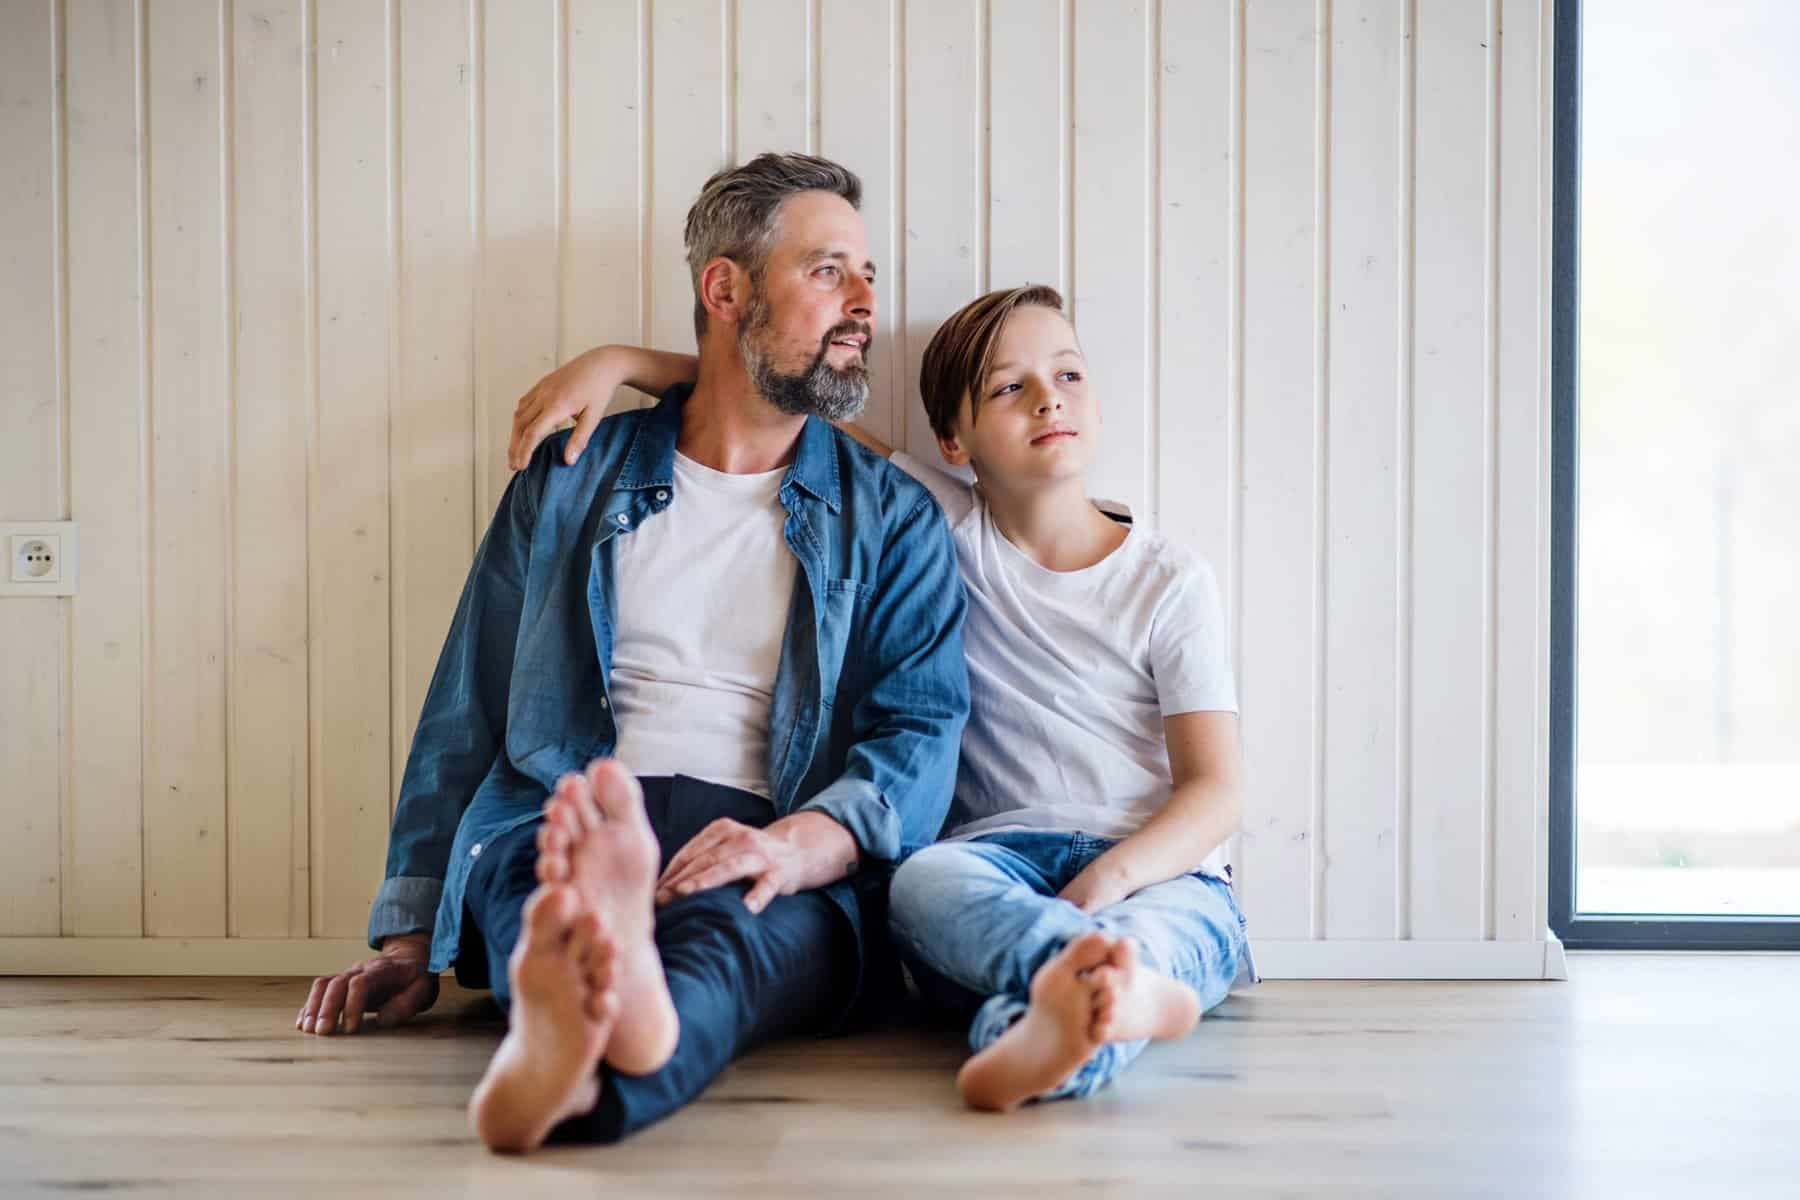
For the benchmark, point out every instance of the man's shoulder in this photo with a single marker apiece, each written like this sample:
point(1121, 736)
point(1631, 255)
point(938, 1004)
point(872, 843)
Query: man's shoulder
point(895, 495)
point(599, 458)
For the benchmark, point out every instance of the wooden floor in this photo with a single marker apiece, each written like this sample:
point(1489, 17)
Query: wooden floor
point(1641, 1076)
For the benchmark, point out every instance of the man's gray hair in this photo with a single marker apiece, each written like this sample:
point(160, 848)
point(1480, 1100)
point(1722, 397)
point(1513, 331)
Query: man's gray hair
point(738, 213)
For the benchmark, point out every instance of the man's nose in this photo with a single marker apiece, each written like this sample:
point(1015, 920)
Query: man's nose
point(860, 304)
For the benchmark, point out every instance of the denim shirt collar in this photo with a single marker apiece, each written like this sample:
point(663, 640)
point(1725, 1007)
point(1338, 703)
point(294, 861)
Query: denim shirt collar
point(650, 462)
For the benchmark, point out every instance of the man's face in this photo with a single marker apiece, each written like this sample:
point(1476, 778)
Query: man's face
point(805, 337)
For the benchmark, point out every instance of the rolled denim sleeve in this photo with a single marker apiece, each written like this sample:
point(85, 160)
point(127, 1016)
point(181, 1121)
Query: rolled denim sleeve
point(462, 726)
point(907, 727)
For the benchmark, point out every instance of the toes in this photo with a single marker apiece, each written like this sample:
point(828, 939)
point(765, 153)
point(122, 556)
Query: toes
point(601, 962)
point(1087, 952)
point(601, 1006)
point(583, 931)
point(562, 810)
point(1125, 954)
point(616, 790)
point(547, 915)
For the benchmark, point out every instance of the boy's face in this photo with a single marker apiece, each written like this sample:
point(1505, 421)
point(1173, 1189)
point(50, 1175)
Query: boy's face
point(1038, 423)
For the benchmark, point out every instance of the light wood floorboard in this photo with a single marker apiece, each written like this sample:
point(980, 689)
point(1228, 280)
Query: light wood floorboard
point(1642, 1076)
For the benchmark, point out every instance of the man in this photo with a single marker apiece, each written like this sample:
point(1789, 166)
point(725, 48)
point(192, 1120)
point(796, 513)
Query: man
point(758, 616)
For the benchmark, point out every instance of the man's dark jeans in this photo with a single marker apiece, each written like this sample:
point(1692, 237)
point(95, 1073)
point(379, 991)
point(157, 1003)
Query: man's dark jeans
point(737, 978)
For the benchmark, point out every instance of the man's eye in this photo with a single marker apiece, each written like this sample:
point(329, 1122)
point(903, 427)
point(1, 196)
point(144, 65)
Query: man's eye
point(826, 270)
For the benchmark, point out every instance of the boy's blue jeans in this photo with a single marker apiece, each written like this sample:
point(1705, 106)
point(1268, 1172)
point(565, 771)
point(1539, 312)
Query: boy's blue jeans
point(975, 920)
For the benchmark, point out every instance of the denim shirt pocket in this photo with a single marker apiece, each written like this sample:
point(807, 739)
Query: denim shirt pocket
point(836, 624)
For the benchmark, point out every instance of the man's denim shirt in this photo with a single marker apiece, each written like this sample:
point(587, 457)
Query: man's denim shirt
point(870, 696)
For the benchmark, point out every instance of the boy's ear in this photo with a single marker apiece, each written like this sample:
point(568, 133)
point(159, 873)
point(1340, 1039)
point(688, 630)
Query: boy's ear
point(725, 290)
point(952, 449)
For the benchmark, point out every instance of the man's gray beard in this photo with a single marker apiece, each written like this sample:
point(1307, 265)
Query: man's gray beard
point(821, 390)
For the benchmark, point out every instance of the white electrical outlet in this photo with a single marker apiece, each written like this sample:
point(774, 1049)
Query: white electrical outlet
point(42, 558)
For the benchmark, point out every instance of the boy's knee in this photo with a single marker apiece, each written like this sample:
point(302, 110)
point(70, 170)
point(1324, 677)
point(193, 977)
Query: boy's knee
point(922, 883)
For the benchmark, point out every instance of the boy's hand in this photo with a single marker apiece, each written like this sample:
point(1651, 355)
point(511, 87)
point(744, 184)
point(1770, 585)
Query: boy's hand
point(1098, 886)
point(578, 390)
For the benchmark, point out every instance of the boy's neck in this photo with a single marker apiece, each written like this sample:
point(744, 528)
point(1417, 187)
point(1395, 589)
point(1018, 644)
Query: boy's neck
point(727, 425)
point(1056, 527)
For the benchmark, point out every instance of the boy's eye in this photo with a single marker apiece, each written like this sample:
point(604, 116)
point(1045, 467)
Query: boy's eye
point(1005, 388)
point(1071, 376)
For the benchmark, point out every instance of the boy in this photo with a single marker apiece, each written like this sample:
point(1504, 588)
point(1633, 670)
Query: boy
point(1080, 903)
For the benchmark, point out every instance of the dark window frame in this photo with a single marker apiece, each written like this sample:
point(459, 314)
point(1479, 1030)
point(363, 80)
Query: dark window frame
point(1593, 931)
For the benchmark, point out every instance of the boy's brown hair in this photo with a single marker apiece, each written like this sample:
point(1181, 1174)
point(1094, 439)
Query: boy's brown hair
point(960, 352)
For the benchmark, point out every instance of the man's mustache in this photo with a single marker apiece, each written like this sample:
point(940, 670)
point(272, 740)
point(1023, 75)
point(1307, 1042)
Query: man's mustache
point(848, 327)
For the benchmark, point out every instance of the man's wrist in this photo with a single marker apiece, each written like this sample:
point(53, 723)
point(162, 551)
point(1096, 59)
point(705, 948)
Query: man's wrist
point(827, 849)
point(414, 943)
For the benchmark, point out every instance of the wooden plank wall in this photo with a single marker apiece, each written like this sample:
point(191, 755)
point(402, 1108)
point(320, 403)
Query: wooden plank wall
point(275, 274)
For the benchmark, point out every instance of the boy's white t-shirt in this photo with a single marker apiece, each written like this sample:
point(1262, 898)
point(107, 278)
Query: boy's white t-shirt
point(702, 596)
point(1071, 675)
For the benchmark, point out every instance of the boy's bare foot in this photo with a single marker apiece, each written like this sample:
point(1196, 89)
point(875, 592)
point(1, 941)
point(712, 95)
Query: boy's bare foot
point(1052, 1039)
point(597, 838)
point(1131, 1001)
point(547, 1066)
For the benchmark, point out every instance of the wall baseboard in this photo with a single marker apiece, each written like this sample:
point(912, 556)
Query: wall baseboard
point(324, 956)
point(179, 956)
point(1411, 960)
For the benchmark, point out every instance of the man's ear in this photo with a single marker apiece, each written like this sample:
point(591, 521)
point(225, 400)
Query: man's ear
point(952, 449)
point(725, 290)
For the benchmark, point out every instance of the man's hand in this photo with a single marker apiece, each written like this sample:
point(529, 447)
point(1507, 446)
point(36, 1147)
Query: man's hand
point(1099, 885)
point(397, 982)
point(801, 851)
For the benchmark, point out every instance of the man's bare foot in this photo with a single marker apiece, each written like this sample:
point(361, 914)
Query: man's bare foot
point(1131, 1001)
point(1050, 1042)
point(597, 838)
point(547, 1066)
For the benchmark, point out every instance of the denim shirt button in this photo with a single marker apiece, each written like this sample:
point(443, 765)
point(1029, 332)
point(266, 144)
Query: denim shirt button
point(475, 850)
point(624, 520)
point(661, 495)
point(603, 703)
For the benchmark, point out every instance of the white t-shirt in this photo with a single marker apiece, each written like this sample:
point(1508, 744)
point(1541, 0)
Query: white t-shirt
point(1071, 674)
point(702, 595)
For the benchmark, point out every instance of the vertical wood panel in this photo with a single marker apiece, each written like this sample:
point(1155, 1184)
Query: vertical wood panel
point(1450, 475)
point(353, 371)
point(1519, 749)
point(267, 791)
point(370, 262)
point(104, 871)
point(1113, 285)
point(431, 460)
point(942, 186)
point(859, 126)
point(519, 253)
point(602, 257)
point(184, 789)
point(32, 629)
point(774, 76)
point(690, 89)
point(1026, 184)
point(1361, 842)
point(1195, 439)
point(1280, 462)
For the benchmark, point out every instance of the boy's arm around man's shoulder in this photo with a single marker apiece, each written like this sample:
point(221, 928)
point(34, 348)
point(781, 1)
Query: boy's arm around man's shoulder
point(907, 725)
